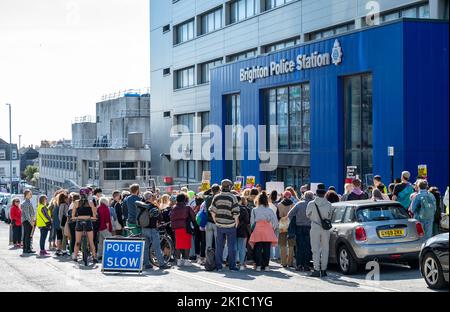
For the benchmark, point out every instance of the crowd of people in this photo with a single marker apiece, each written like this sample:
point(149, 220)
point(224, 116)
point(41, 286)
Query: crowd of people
point(236, 228)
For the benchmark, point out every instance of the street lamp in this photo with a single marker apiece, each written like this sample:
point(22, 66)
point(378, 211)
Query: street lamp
point(10, 153)
point(187, 154)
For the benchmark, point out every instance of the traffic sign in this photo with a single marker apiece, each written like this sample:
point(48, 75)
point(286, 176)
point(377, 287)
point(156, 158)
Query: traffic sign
point(123, 255)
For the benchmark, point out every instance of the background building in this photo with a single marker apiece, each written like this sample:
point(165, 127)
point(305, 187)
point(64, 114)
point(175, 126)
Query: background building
point(189, 37)
point(5, 172)
point(110, 150)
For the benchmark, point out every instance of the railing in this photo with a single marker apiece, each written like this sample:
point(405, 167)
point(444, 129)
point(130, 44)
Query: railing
point(84, 119)
point(104, 143)
point(123, 93)
point(133, 113)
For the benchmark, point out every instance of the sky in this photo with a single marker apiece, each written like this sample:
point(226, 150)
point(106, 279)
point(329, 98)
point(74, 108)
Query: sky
point(58, 57)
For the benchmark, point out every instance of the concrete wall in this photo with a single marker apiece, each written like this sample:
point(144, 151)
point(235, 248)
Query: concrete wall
point(84, 134)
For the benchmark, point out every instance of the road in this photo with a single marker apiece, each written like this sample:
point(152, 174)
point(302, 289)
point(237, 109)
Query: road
point(21, 274)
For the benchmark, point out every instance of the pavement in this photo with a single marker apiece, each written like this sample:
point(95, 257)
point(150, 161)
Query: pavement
point(53, 274)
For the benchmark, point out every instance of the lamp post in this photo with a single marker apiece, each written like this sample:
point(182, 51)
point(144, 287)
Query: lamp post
point(187, 154)
point(10, 153)
point(391, 155)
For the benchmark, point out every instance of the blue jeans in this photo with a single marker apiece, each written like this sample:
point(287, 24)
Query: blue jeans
point(427, 227)
point(152, 237)
point(230, 236)
point(303, 240)
point(44, 232)
point(241, 249)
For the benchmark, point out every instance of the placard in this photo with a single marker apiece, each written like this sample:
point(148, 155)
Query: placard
point(250, 182)
point(123, 255)
point(206, 185)
point(206, 176)
point(422, 171)
point(239, 183)
point(275, 186)
point(352, 172)
point(314, 187)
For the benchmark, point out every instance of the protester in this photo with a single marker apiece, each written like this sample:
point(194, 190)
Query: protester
point(16, 222)
point(295, 198)
point(357, 193)
point(72, 223)
point(211, 228)
point(402, 191)
point(303, 190)
point(132, 210)
point(28, 222)
point(377, 195)
point(243, 233)
point(117, 206)
point(286, 245)
point(199, 234)
point(105, 228)
point(84, 211)
point(225, 213)
point(44, 223)
point(424, 207)
point(348, 188)
point(317, 210)
point(302, 232)
point(438, 214)
point(181, 217)
point(264, 222)
point(332, 196)
point(63, 203)
point(251, 198)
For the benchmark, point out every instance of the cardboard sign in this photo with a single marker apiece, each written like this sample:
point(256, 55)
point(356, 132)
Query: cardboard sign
point(206, 176)
point(250, 182)
point(123, 255)
point(239, 183)
point(275, 186)
point(422, 171)
point(352, 172)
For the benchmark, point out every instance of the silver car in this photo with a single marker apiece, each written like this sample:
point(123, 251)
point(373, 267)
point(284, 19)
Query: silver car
point(370, 230)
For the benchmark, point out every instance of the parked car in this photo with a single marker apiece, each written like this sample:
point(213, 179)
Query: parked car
point(368, 230)
point(434, 261)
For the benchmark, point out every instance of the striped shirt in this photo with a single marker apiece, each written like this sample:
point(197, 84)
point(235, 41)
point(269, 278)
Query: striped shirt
point(28, 213)
point(225, 207)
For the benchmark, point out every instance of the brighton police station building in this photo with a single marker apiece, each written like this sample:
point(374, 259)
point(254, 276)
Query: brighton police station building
point(343, 101)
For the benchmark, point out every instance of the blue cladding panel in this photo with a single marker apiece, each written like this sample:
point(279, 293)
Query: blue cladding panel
point(378, 50)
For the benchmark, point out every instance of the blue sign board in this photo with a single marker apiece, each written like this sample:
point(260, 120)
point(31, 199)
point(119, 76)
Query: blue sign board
point(123, 255)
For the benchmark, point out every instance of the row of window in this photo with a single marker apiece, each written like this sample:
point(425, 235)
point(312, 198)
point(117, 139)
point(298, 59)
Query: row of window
point(3, 154)
point(59, 162)
point(235, 11)
point(182, 168)
point(3, 172)
point(126, 171)
point(187, 120)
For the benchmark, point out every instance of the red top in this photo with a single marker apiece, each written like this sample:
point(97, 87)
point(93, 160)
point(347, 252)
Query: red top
point(105, 217)
point(16, 215)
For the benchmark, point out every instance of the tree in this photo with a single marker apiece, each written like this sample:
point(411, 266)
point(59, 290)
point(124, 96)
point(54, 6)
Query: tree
point(30, 171)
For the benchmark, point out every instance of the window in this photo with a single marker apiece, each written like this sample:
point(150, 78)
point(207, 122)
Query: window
point(2, 171)
point(166, 28)
point(166, 114)
point(270, 4)
point(295, 176)
point(289, 109)
point(338, 214)
point(358, 121)
point(184, 31)
point(186, 120)
point(204, 119)
point(329, 32)
point(234, 119)
point(205, 70)
point(182, 169)
point(184, 78)
point(241, 9)
point(211, 21)
point(241, 56)
point(281, 45)
point(118, 171)
point(381, 213)
point(349, 215)
point(2, 154)
point(166, 71)
point(14, 154)
point(421, 11)
point(93, 170)
point(206, 166)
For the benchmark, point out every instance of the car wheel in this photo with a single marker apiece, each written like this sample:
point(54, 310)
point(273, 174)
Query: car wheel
point(347, 264)
point(432, 272)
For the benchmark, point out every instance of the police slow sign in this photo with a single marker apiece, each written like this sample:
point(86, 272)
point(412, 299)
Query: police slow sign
point(125, 255)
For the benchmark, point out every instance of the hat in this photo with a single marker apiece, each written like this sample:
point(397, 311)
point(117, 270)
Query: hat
point(227, 184)
point(321, 190)
point(287, 195)
point(406, 175)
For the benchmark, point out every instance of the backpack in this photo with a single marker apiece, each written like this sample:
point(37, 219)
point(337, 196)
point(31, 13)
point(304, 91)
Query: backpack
point(202, 218)
point(146, 213)
point(210, 263)
point(426, 208)
point(404, 197)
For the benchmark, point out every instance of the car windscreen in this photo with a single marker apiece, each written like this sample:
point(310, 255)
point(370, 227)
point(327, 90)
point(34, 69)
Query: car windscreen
point(381, 213)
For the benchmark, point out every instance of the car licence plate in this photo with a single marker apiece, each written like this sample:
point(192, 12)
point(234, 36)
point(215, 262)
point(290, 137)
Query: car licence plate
point(391, 233)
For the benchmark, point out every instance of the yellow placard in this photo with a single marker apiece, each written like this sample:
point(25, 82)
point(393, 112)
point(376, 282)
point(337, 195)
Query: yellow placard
point(423, 171)
point(250, 182)
point(206, 185)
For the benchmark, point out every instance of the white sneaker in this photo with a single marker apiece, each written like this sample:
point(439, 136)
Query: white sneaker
point(187, 263)
point(243, 268)
point(258, 269)
point(180, 262)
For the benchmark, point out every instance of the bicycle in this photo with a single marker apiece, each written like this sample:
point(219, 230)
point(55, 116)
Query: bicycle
point(166, 242)
point(84, 240)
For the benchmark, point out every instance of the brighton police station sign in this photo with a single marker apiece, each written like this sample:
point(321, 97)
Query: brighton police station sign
point(303, 61)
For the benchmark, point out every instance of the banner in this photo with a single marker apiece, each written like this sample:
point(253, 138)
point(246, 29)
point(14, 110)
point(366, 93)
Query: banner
point(275, 186)
point(123, 255)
